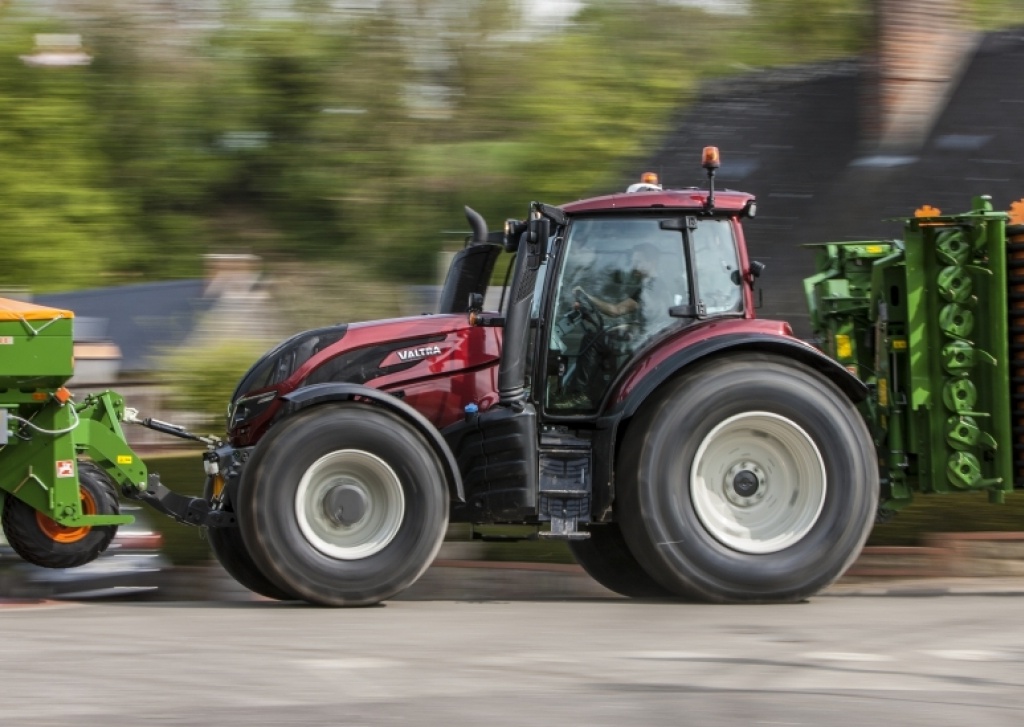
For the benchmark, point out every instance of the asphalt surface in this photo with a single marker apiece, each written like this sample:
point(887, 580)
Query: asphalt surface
point(941, 660)
point(514, 646)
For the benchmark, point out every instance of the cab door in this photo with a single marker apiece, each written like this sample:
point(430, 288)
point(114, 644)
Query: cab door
point(618, 282)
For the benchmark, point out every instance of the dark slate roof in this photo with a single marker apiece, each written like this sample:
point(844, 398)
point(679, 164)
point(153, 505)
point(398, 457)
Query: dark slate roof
point(141, 319)
point(791, 137)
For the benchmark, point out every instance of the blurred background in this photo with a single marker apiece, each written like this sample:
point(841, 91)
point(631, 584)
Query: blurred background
point(198, 178)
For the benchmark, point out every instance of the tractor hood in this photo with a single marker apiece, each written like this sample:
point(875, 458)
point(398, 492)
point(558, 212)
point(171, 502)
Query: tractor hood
point(383, 354)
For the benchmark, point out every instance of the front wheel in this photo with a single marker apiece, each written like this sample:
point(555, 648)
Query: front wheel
point(231, 552)
point(750, 479)
point(346, 505)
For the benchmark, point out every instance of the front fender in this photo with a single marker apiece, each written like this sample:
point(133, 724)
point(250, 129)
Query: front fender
point(309, 396)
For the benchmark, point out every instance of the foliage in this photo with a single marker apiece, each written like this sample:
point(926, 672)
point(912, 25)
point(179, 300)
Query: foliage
point(992, 14)
point(789, 31)
point(321, 134)
point(55, 200)
point(201, 379)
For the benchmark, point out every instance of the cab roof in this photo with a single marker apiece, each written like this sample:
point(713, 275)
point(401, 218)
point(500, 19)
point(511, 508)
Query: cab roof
point(693, 198)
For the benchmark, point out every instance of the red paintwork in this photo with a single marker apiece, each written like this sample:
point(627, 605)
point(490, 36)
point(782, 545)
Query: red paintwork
point(438, 385)
point(464, 369)
point(441, 385)
point(690, 336)
point(690, 199)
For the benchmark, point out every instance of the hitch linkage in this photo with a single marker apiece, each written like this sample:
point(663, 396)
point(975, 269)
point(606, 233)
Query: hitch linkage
point(184, 509)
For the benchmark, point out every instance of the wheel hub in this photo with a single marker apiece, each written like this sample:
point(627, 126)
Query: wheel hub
point(758, 482)
point(744, 484)
point(349, 504)
point(345, 504)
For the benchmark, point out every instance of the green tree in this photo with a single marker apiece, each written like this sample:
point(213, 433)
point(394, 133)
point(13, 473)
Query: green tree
point(60, 220)
point(794, 31)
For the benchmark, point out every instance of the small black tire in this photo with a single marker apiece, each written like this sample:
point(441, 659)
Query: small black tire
point(347, 505)
point(607, 559)
point(44, 542)
point(748, 479)
point(229, 549)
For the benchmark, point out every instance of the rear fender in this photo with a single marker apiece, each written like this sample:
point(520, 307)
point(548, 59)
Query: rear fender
point(323, 393)
point(630, 401)
point(634, 392)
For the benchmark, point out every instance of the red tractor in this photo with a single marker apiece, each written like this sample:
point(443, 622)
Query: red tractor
point(624, 395)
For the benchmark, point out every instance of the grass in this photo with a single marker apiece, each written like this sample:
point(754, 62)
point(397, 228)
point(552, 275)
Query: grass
point(183, 544)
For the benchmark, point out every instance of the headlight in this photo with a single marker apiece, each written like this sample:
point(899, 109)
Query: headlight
point(278, 364)
point(249, 407)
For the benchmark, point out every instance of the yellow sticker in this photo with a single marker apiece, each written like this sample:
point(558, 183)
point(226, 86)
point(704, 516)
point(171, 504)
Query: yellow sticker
point(124, 459)
point(883, 393)
point(899, 344)
point(875, 249)
point(843, 347)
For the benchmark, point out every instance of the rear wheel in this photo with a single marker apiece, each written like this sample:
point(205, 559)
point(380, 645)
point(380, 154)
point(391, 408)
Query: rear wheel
point(751, 479)
point(607, 559)
point(45, 542)
point(346, 505)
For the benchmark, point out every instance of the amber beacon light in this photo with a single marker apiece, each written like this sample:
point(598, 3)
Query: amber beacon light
point(711, 160)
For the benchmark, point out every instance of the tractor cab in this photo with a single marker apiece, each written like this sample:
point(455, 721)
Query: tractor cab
point(614, 277)
point(624, 282)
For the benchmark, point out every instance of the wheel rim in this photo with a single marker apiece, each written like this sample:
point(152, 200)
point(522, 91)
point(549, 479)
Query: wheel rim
point(63, 533)
point(350, 504)
point(758, 482)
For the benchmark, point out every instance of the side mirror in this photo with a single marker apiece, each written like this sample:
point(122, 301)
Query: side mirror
point(514, 229)
point(537, 233)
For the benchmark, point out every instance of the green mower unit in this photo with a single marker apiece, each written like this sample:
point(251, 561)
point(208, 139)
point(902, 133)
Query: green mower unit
point(933, 324)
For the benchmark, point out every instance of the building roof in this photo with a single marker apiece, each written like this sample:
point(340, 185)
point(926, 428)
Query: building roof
point(793, 139)
point(141, 319)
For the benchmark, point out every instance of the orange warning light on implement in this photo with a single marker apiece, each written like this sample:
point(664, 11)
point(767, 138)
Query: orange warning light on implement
point(1017, 212)
point(927, 211)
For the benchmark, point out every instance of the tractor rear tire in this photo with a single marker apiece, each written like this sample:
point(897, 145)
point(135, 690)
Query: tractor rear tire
point(748, 479)
point(44, 542)
point(229, 549)
point(347, 505)
point(607, 559)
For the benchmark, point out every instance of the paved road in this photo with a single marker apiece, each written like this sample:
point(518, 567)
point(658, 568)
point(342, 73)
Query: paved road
point(839, 660)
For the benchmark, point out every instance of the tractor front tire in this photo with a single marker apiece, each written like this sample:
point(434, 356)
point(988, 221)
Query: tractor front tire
point(44, 542)
point(607, 559)
point(748, 479)
point(230, 551)
point(347, 505)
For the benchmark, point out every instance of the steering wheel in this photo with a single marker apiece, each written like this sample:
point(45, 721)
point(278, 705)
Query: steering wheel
point(589, 311)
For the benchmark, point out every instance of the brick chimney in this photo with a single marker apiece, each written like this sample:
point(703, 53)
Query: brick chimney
point(921, 49)
point(231, 274)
